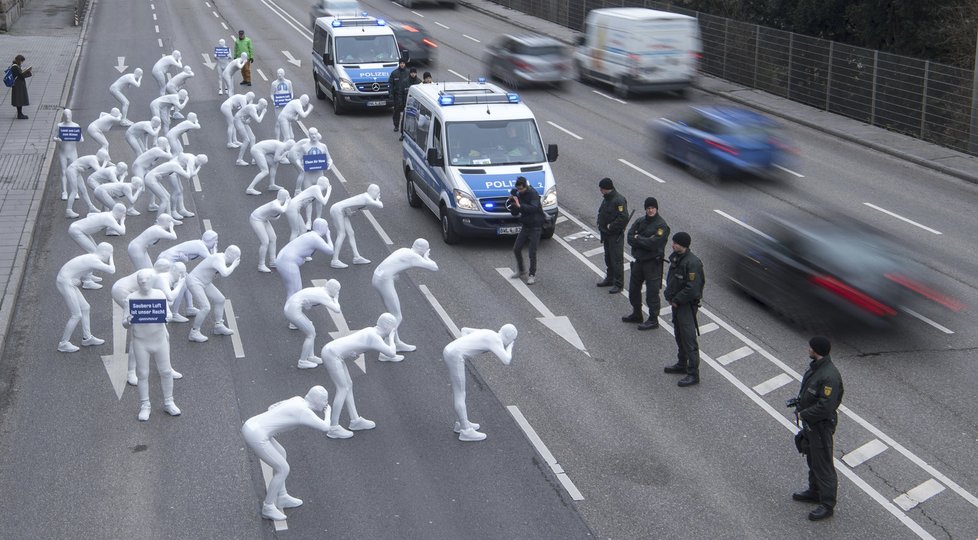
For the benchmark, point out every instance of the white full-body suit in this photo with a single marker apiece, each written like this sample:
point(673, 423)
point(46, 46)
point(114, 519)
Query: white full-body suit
point(250, 113)
point(200, 283)
point(142, 135)
point(280, 95)
point(81, 232)
point(229, 107)
point(139, 246)
point(67, 150)
point(165, 106)
point(293, 111)
point(183, 253)
point(261, 223)
point(115, 172)
point(318, 193)
point(151, 341)
point(473, 342)
point(232, 68)
point(340, 214)
point(120, 85)
point(101, 125)
point(417, 256)
point(295, 253)
point(76, 185)
point(155, 177)
point(314, 145)
point(178, 80)
point(151, 157)
point(162, 66)
point(108, 193)
point(222, 63)
point(295, 306)
point(68, 281)
point(193, 164)
point(267, 154)
point(173, 135)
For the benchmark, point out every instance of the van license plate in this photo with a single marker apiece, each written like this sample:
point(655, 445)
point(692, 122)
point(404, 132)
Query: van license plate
point(376, 103)
point(508, 230)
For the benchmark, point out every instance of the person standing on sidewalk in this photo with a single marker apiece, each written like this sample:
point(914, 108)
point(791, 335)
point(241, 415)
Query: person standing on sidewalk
point(648, 237)
point(243, 45)
point(18, 96)
point(526, 206)
point(612, 220)
point(684, 290)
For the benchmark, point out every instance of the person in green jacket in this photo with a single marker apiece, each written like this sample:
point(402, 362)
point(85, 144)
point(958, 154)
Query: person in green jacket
point(243, 45)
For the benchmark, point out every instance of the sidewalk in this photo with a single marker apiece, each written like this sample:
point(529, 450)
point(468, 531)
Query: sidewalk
point(45, 35)
point(947, 161)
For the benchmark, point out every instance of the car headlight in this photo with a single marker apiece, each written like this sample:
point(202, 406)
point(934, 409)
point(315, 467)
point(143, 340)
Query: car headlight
point(347, 85)
point(550, 198)
point(465, 201)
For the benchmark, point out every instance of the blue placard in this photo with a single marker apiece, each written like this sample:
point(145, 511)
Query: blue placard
point(69, 134)
point(282, 99)
point(222, 52)
point(146, 311)
point(314, 160)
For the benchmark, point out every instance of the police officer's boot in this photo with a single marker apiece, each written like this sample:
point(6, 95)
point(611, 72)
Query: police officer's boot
point(633, 317)
point(822, 512)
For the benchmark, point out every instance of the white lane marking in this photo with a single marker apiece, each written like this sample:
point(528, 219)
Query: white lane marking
point(606, 96)
point(302, 127)
point(289, 19)
point(646, 173)
point(913, 313)
point(545, 453)
point(459, 75)
point(445, 318)
point(592, 252)
point(380, 230)
point(558, 324)
point(441, 25)
point(580, 256)
point(159, 42)
point(157, 27)
point(470, 37)
point(901, 218)
point(418, 14)
point(342, 328)
point(117, 363)
point(708, 327)
point(744, 225)
point(184, 138)
point(919, 494)
point(789, 171)
point(207, 224)
point(665, 311)
point(561, 218)
point(225, 25)
point(567, 131)
point(208, 4)
point(575, 236)
point(733, 356)
point(772, 384)
point(153, 6)
point(215, 14)
point(196, 182)
point(262, 74)
point(338, 174)
point(526, 292)
point(266, 473)
point(864, 453)
point(232, 323)
point(628, 258)
point(154, 16)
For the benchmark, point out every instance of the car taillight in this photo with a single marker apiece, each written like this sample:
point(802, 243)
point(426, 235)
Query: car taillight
point(429, 43)
point(925, 291)
point(520, 64)
point(855, 297)
point(409, 28)
point(722, 147)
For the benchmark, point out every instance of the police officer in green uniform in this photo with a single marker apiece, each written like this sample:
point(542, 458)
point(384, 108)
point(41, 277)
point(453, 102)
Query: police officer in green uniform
point(684, 290)
point(816, 406)
point(648, 237)
point(612, 220)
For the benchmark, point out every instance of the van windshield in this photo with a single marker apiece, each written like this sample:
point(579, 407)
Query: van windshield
point(366, 49)
point(496, 142)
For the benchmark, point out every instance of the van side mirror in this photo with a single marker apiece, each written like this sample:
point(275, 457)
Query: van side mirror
point(327, 59)
point(433, 159)
point(551, 153)
point(580, 41)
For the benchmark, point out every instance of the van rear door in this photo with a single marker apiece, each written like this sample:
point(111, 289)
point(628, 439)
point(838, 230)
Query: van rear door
point(665, 49)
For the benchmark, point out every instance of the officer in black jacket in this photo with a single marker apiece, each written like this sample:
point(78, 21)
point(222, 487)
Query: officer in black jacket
point(398, 84)
point(816, 406)
point(648, 237)
point(525, 203)
point(612, 220)
point(684, 290)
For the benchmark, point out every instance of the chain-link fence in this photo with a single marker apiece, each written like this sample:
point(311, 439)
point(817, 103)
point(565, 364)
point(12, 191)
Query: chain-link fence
point(916, 97)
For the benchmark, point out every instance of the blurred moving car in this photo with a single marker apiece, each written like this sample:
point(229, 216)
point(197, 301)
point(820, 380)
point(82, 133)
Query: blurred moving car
point(717, 142)
point(413, 38)
point(332, 8)
point(412, 3)
point(528, 60)
point(830, 272)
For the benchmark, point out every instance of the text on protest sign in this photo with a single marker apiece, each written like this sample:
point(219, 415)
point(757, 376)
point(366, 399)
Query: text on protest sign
point(314, 160)
point(145, 311)
point(222, 52)
point(69, 134)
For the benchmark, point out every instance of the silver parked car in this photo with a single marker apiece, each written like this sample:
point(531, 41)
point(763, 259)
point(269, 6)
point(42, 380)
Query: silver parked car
point(528, 60)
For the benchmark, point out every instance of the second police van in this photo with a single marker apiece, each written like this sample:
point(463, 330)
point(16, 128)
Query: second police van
point(464, 145)
point(353, 58)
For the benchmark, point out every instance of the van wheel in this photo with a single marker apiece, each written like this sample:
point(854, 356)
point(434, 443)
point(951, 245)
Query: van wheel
point(448, 233)
point(319, 91)
point(547, 234)
point(412, 196)
point(337, 105)
point(621, 87)
point(582, 74)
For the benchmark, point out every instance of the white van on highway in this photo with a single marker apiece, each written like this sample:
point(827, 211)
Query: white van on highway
point(639, 50)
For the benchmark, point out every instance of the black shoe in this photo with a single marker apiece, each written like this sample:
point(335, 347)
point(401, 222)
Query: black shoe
point(633, 318)
point(805, 496)
point(244, 83)
point(604, 283)
point(650, 324)
point(395, 128)
point(689, 380)
point(614, 290)
point(821, 512)
point(675, 368)
point(22, 117)
point(248, 84)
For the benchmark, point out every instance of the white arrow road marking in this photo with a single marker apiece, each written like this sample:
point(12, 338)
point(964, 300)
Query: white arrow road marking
point(342, 329)
point(117, 363)
point(559, 324)
point(207, 61)
point(121, 65)
point(291, 59)
point(266, 473)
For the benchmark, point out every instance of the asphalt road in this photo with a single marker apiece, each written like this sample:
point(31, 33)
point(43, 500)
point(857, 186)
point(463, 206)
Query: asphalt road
point(650, 459)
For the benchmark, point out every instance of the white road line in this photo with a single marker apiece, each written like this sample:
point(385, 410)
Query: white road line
point(772, 384)
point(184, 138)
point(733, 356)
point(628, 258)
point(208, 4)
point(196, 182)
point(789, 171)
point(289, 19)
point(338, 174)
point(667, 311)
point(901, 218)
point(157, 27)
point(545, 453)
point(380, 230)
point(561, 218)
point(159, 42)
point(225, 25)
point(525, 291)
point(445, 318)
point(215, 14)
point(913, 313)
point(864, 453)
point(262, 74)
point(153, 6)
point(266, 473)
point(567, 131)
point(606, 96)
point(592, 252)
point(646, 173)
point(709, 327)
point(470, 37)
point(418, 14)
point(232, 323)
point(207, 224)
point(302, 127)
point(575, 236)
point(441, 25)
point(459, 75)
point(580, 256)
point(154, 16)
point(744, 225)
point(919, 494)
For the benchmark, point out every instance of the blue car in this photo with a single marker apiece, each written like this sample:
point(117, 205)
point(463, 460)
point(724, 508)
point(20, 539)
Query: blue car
point(722, 142)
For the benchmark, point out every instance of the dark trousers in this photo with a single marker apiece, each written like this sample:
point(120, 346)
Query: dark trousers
point(650, 273)
point(398, 110)
point(684, 324)
point(614, 259)
point(529, 235)
point(822, 478)
point(246, 72)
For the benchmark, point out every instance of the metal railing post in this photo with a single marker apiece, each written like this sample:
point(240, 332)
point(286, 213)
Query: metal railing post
point(973, 139)
point(791, 54)
point(923, 99)
point(757, 51)
point(828, 81)
point(872, 99)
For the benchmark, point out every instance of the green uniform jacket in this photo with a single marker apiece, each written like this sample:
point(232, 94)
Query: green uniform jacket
point(648, 238)
point(821, 392)
point(685, 280)
point(243, 46)
point(613, 214)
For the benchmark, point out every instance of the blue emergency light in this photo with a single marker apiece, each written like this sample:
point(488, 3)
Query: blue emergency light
point(481, 80)
point(336, 23)
point(446, 99)
point(381, 22)
point(513, 97)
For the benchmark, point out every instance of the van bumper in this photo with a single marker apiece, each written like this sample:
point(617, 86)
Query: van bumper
point(488, 226)
point(366, 101)
point(639, 85)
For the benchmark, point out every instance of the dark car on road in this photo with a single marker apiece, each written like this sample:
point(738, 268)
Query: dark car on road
point(528, 60)
point(413, 38)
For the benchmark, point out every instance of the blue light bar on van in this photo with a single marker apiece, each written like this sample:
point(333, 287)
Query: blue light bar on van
point(446, 99)
point(513, 97)
point(336, 23)
point(481, 80)
point(381, 22)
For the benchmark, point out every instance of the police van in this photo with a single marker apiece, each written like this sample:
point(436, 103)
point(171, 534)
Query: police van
point(352, 59)
point(464, 145)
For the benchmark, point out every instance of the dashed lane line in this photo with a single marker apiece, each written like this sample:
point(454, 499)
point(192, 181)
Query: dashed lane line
point(436, 305)
point(261, 74)
point(606, 96)
point(232, 323)
point(380, 230)
point(470, 37)
point(643, 171)
point(545, 453)
point(864, 453)
point(442, 25)
point(789, 171)
point(567, 131)
point(266, 473)
point(901, 218)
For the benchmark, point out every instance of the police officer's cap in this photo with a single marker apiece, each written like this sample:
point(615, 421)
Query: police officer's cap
point(650, 202)
point(403, 60)
point(606, 183)
point(682, 238)
point(413, 70)
point(820, 345)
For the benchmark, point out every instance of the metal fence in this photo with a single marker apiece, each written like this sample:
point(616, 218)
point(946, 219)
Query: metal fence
point(919, 98)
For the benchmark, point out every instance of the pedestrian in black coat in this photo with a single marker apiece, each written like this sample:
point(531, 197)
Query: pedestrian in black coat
point(18, 96)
